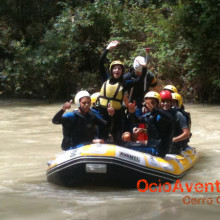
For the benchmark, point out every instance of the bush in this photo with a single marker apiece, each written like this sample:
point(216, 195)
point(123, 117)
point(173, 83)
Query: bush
point(63, 55)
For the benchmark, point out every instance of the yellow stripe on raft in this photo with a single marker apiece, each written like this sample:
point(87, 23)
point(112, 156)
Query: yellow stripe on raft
point(89, 150)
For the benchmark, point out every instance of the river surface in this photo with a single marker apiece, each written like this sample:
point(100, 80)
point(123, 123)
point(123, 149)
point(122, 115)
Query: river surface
point(28, 140)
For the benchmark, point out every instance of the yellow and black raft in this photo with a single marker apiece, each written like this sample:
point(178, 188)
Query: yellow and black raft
point(107, 164)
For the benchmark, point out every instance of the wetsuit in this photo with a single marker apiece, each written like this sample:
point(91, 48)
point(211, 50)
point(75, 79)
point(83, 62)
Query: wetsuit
point(142, 87)
point(115, 122)
point(137, 92)
point(160, 132)
point(77, 128)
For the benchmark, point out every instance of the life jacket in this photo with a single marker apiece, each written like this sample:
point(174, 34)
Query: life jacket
point(188, 117)
point(111, 94)
point(152, 130)
point(186, 114)
point(159, 131)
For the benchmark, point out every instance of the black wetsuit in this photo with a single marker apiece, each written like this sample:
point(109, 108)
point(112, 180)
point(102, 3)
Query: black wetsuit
point(159, 129)
point(142, 87)
point(77, 128)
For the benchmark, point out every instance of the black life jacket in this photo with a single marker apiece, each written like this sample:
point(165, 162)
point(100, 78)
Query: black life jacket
point(152, 130)
point(188, 117)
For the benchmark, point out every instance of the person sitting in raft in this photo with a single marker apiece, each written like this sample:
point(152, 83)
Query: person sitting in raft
point(159, 127)
point(78, 125)
point(177, 102)
point(181, 129)
point(112, 94)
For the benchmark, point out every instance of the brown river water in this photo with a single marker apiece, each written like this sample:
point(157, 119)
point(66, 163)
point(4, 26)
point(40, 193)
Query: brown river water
point(28, 139)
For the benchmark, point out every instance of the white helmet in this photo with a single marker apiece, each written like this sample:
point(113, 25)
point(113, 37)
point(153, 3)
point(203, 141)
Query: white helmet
point(80, 95)
point(136, 64)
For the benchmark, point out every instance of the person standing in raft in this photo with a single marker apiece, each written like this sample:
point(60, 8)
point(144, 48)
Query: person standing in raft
point(159, 125)
point(78, 125)
point(142, 87)
point(138, 91)
point(112, 94)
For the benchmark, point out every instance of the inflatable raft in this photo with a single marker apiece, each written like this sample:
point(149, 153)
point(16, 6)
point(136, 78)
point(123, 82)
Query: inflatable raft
point(106, 164)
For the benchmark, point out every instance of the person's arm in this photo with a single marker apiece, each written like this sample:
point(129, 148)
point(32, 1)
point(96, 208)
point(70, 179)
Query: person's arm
point(151, 82)
point(151, 79)
point(185, 135)
point(100, 121)
point(104, 74)
point(185, 129)
point(58, 116)
point(132, 116)
point(163, 114)
point(102, 70)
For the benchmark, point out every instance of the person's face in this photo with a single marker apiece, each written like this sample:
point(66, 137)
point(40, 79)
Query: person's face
point(166, 104)
point(138, 73)
point(175, 103)
point(85, 104)
point(151, 103)
point(117, 71)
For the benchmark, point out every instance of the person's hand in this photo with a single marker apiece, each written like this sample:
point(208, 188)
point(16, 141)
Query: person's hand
point(136, 130)
point(132, 107)
point(142, 63)
point(67, 105)
point(149, 105)
point(113, 44)
point(144, 109)
point(111, 110)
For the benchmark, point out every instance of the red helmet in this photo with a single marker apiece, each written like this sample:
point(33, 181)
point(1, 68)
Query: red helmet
point(165, 94)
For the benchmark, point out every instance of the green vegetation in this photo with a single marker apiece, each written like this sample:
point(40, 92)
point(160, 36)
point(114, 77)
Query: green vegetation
point(50, 49)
